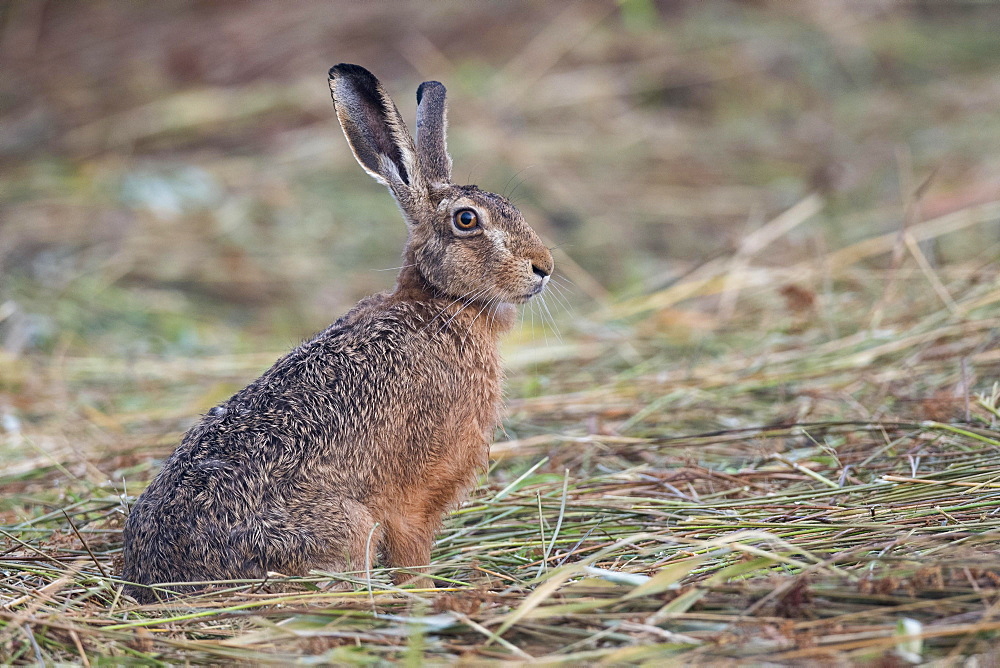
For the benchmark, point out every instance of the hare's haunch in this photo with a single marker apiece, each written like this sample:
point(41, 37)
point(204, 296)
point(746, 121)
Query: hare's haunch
point(354, 444)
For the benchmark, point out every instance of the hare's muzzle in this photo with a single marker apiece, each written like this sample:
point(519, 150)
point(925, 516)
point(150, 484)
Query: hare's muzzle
point(541, 278)
point(541, 271)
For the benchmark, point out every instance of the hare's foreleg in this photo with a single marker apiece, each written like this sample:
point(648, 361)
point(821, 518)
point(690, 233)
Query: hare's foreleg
point(407, 544)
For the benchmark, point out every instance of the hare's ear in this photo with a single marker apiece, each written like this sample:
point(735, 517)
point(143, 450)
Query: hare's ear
point(374, 128)
point(432, 124)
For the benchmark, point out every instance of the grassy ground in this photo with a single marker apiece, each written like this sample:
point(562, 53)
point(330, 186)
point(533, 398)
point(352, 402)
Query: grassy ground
point(755, 421)
point(791, 484)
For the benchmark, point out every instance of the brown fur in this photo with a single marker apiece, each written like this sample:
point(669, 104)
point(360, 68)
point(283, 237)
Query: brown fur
point(357, 441)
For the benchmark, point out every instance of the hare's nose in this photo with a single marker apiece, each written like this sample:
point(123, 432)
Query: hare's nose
point(541, 263)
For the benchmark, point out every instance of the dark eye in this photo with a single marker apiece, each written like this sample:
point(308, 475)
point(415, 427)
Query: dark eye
point(466, 219)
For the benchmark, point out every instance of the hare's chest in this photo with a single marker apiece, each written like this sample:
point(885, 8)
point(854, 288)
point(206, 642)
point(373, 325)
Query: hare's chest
point(460, 392)
point(479, 387)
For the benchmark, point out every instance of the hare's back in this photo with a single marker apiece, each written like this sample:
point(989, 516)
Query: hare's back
point(358, 404)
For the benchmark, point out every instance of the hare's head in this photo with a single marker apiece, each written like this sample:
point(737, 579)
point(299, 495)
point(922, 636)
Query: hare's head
point(464, 242)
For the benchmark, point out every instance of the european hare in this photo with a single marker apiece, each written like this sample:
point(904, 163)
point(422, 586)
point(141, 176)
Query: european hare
point(354, 444)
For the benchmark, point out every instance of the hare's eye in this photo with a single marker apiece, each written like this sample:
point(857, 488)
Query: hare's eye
point(466, 219)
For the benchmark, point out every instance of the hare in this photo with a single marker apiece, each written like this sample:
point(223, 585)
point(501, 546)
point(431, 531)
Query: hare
point(354, 444)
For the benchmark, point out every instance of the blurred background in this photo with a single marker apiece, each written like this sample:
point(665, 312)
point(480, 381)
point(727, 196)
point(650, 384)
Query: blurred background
point(173, 180)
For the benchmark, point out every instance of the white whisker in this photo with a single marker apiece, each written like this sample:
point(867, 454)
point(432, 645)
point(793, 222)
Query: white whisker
point(558, 279)
point(405, 266)
point(465, 305)
point(487, 305)
point(561, 299)
point(447, 306)
point(555, 327)
point(531, 312)
point(541, 319)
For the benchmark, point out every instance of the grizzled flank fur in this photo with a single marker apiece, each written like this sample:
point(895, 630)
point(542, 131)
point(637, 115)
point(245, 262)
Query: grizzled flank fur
point(369, 432)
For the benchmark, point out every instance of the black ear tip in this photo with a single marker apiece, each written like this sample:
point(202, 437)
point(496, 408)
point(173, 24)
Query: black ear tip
point(426, 86)
point(346, 69)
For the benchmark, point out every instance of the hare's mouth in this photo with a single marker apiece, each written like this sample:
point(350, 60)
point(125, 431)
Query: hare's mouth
point(521, 299)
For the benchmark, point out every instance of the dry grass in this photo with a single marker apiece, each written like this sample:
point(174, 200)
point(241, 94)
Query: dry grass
point(792, 487)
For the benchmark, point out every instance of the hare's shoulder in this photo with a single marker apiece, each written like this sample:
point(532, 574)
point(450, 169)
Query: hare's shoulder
point(376, 332)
